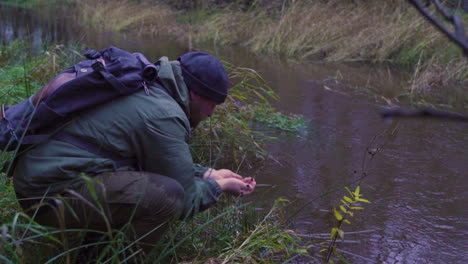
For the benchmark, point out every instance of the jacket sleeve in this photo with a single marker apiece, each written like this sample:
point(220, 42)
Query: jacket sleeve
point(164, 150)
point(199, 170)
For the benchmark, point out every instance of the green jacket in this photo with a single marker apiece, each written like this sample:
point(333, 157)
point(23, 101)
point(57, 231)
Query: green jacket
point(152, 128)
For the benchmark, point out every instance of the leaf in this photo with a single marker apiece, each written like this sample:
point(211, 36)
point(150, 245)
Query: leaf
point(356, 192)
point(357, 208)
point(347, 221)
point(350, 192)
point(343, 209)
point(338, 216)
point(362, 200)
point(323, 249)
point(349, 200)
point(341, 233)
point(333, 232)
point(350, 213)
point(343, 202)
point(282, 200)
point(331, 262)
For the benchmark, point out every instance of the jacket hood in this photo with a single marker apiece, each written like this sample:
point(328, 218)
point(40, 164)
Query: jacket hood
point(170, 76)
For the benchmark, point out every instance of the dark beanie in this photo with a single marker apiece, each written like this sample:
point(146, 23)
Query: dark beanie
point(205, 75)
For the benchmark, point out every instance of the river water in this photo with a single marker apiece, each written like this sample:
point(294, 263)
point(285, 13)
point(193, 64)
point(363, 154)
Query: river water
point(415, 170)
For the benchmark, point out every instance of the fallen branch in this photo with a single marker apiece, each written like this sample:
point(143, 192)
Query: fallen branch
point(387, 113)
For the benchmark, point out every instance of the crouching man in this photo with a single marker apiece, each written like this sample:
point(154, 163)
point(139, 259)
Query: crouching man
point(134, 151)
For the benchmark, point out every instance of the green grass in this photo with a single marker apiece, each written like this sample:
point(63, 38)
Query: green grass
point(32, 3)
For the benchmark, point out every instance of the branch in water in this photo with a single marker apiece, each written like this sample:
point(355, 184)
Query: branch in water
point(387, 113)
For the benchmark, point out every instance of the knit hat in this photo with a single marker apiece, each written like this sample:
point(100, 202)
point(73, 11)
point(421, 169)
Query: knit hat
point(205, 75)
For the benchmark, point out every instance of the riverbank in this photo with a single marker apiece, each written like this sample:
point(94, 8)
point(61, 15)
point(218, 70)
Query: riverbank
point(330, 31)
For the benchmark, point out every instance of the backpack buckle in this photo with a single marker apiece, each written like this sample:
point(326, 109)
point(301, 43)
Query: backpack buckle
point(97, 66)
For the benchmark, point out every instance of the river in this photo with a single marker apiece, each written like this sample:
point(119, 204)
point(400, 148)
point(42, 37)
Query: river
point(415, 170)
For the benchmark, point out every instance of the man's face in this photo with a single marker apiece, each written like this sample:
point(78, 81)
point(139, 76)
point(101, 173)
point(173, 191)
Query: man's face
point(200, 109)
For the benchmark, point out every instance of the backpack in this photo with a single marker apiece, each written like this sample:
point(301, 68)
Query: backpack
point(102, 77)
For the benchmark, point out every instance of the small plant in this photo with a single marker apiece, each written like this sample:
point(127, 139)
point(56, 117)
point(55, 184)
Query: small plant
point(279, 121)
point(349, 204)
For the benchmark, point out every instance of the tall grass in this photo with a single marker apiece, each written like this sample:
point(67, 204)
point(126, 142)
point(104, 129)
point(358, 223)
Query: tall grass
point(125, 15)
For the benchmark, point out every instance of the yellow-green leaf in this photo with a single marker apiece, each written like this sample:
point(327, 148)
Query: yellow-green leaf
point(343, 209)
point(356, 192)
point(347, 199)
point(343, 202)
point(338, 216)
point(282, 200)
point(323, 249)
point(362, 200)
point(357, 208)
point(331, 262)
point(347, 221)
point(350, 192)
point(333, 232)
point(350, 213)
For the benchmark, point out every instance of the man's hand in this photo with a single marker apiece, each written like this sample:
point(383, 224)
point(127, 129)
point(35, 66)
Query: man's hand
point(236, 186)
point(231, 182)
point(220, 174)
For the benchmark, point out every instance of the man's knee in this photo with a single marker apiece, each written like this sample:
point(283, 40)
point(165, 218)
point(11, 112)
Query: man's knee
point(165, 196)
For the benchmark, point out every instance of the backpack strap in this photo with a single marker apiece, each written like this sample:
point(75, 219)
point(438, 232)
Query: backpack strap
point(2, 114)
point(82, 144)
point(109, 77)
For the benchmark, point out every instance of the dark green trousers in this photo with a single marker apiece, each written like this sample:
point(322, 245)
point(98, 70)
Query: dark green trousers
point(144, 203)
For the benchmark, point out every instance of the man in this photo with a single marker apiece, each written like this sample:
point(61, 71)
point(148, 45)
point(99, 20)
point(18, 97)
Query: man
point(142, 170)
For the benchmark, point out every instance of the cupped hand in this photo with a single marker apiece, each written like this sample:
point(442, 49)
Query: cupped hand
point(220, 174)
point(237, 186)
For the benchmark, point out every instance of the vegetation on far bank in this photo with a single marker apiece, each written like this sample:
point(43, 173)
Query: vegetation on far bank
point(331, 31)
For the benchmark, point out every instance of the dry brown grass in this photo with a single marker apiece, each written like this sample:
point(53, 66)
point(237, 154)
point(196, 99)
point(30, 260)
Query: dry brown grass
point(440, 84)
point(127, 16)
point(375, 31)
